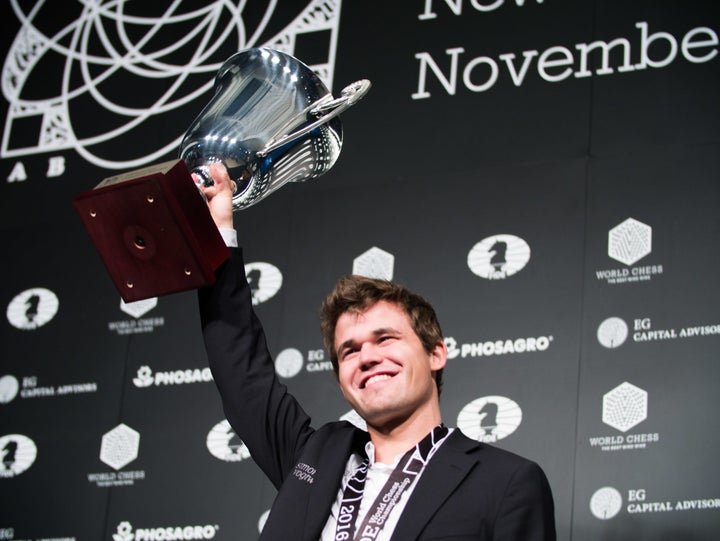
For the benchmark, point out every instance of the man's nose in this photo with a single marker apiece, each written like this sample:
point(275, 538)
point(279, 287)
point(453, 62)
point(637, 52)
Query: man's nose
point(369, 355)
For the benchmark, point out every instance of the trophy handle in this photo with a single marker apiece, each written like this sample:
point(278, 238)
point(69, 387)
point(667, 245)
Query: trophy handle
point(328, 107)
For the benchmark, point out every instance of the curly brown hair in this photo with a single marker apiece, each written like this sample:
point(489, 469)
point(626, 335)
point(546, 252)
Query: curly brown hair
point(356, 294)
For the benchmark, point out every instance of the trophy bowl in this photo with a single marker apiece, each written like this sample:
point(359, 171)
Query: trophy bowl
point(271, 121)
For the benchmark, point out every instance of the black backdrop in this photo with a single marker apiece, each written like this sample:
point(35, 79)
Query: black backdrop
point(597, 342)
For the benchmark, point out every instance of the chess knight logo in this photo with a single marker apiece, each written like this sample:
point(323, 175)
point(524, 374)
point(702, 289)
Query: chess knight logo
point(490, 418)
point(67, 72)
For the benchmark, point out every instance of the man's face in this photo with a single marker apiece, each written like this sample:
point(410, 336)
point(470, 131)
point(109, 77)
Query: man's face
point(383, 369)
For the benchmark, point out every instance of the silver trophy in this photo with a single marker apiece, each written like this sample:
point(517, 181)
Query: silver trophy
point(271, 121)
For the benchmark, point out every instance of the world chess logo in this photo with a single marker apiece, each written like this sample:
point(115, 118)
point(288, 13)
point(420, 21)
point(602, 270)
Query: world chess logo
point(137, 309)
point(625, 407)
point(375, 263)
point(630, 241)
point(120, 446)
point(67, 73)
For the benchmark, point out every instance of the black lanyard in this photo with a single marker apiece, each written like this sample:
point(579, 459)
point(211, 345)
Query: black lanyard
point(400, 479)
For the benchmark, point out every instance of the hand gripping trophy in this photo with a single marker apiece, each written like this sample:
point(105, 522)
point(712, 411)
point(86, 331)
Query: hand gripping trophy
point(270, 122)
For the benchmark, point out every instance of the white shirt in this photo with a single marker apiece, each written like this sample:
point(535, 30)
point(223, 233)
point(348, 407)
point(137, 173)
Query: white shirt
point(229, 235)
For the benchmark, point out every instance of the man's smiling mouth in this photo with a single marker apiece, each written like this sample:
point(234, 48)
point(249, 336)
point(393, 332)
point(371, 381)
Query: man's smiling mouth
point(375, 379)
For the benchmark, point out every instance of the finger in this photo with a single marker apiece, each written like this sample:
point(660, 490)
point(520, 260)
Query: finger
point(219, 174)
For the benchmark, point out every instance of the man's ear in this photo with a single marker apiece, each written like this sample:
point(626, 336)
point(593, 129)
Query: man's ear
point(438, 356)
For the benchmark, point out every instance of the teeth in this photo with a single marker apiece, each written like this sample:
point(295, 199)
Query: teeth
point(379, 377)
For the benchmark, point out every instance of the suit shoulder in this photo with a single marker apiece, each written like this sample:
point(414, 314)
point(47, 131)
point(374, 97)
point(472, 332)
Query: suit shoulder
point(486, 452)
point(336, 431)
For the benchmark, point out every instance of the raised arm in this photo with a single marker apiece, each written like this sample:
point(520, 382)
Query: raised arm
point(261, 411)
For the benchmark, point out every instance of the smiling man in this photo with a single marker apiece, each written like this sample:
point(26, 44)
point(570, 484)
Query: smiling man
point(388, 371)
point(409, 476)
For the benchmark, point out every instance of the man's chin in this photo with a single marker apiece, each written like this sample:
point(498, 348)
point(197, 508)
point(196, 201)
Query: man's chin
point(381, 418)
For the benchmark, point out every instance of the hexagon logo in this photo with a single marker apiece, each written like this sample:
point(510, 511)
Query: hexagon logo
point(120, 446)
point(138, 308)
point(630, 241)
point(375, 263)
point(625, 407)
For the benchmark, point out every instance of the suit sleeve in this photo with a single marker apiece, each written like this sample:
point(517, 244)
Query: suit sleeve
point(259, 408)
point(526, 512)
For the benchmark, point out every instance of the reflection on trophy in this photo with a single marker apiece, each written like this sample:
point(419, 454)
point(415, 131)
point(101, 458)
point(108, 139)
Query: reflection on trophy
point(271, 121)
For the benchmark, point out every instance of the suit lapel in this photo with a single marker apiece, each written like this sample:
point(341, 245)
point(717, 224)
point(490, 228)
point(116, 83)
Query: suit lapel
point(332, 462)
point(445, 471)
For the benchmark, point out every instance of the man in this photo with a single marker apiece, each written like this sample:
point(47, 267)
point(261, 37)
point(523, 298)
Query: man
point(408, 477)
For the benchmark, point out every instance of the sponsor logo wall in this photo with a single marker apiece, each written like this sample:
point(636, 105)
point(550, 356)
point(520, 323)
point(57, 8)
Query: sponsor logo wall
point(544, 172)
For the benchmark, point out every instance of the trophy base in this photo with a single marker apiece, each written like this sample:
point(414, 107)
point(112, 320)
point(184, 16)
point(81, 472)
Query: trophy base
point(153, 230)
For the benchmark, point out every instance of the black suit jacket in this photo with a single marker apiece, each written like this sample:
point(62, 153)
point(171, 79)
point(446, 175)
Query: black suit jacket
point(469, 490)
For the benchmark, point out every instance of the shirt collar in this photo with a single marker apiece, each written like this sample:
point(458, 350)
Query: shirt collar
point(370, 452)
